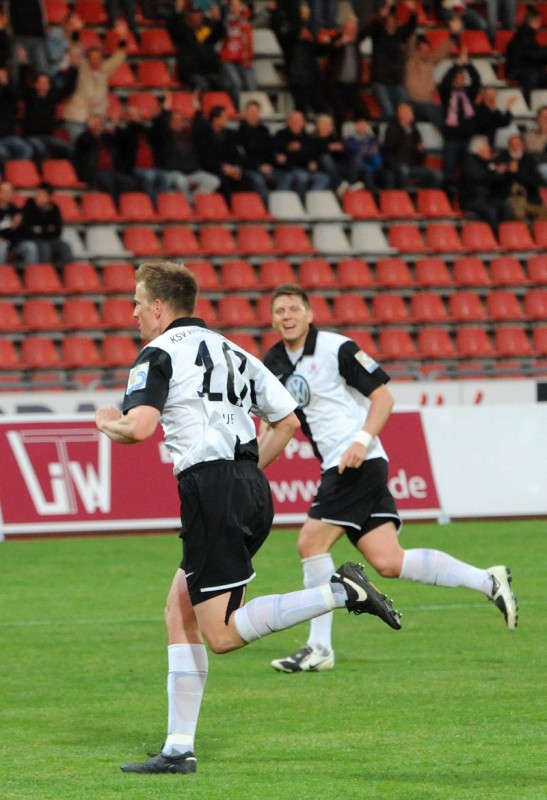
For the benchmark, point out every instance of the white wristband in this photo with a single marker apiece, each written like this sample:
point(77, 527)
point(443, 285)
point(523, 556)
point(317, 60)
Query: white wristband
point(363, 437)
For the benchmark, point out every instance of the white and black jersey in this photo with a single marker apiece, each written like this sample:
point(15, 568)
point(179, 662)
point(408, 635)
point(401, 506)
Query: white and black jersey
point(206, 389)
point(331, 382)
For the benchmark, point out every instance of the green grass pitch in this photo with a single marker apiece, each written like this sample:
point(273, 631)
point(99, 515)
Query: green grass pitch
point(450, 708)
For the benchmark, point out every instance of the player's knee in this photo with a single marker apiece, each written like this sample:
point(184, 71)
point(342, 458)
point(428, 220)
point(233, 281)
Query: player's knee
point(386, 567)
point(220, 643)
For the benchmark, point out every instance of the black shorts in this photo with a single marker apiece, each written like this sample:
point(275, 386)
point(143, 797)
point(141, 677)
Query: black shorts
point(226, 515)
point(359, 499)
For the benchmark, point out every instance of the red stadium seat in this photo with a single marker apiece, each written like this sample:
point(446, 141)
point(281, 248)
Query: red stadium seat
point(123, 78)
point(435, 343)
point(434, 203)
point(180, 240)
point(235, 312)
point(80, 277)
point(442, 237)
point(184, 102)
point(156, 42)
point(406, 238)
point(56, 11)
point(395, 343)
point(354, 273)
point(60, 174)
point(112, 42)
point(212, 207)
point(272, 273)
point(119, 277)
point(210, 99)
point(206, 275)
point(41, 315)
point(22, 174)
point(539, 339)
point(246, 341)
point(248, 207)
point(507, 271)
point(217, 240)
point(466, 307)
point(118, 350)
point(69, 208)
point(39, 352)
point(396, 203)
point(146, 102)
point(10, 282)
point(267, 340)
point(142, 241)
point(174, 207)
point(389, 309)
point(427, 307)
point(360, 205)
point(80, 352)
point(476, 43)
point(393, 273)
point(206, 311)
point(154, 75)
point(322, 314)
point(470, 271)
point(9, 356)
point(503, 305)
point(540, 233)
point(263, 310)
point(92, 12)
point(292, 240)
point(316, 274)
point(238, 276)
point(537, 269)
point(254, 240)
point(516, 236)
point(432, 273)
point(10, 319)
point(136, 207)
point(98, 207)
point(473, 342)
point(535, 304)
point(478, 237)
point(350, 309)
point(117, 312)
point(42, 279)
point(512, 342)
point(81, 314)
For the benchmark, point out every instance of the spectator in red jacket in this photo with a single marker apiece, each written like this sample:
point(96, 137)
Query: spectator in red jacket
point(237, 53)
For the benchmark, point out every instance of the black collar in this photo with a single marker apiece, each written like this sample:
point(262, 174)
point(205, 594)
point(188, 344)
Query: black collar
point(185, 322)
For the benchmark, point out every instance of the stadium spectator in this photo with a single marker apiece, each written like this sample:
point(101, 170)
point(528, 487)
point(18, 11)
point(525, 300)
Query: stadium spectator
point(174, 138)
point(64, 48)
point(343, 71)
point(488, 117)
point(39, 234)
point(324, 15)
point(387, 66)
point(11, 145)
point(10, 219)
point(135, 145)
point(535, 140)
point(91, 93)
point(447, 10)
point(217, 151)
point(28, 21)
point(500, 13)
point(226, 502)
point(296, 165)
point(404, 153)
point(330, 152)
point(302, 49)
point(5, 41)
point(98, 161)
point(365, 157)
point(40, 115)
point(113, 9)
point(345, 410)
point(525, 58)
point(237, 52)
point(526, 181)
point(420, 82)
point(195, 36)
point(458, 91)
point(256, 146)
point(485, 184)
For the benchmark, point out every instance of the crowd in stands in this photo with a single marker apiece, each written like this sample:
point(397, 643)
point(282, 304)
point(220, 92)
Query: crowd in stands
point(353, 121)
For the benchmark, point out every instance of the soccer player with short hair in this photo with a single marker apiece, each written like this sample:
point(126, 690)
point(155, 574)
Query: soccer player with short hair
point(343, 404)
point(203, 389)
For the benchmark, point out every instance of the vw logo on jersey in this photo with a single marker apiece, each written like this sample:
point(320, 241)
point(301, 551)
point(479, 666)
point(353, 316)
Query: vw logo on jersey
point(298, 387)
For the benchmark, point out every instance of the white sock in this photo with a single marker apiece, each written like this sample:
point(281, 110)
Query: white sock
point(188, 667)
point(440, 569)
point(318, 570)
point(275, 612)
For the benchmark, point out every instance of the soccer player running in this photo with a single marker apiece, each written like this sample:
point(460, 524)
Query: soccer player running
point(203, 389)
point(343, 404)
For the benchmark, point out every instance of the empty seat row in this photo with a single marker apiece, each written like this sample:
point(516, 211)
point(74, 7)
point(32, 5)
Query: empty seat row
point(73, 314)
point(73, 352)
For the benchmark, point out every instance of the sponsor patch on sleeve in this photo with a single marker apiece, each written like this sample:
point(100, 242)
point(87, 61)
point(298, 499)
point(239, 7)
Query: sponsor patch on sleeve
point(138, 377)
point(366, 361)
